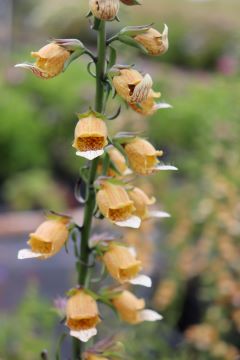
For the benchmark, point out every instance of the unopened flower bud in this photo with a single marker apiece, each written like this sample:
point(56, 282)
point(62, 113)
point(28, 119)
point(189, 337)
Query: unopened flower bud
point(153, 41)
point(131, 309)
point(114, 203)
point(141, 202)
point(104, 9)
point(142, 156)
point(50, 61)
point(90, 136)
point(82, 315)
point(120, 263)
point(47, 240)
point(132, 86)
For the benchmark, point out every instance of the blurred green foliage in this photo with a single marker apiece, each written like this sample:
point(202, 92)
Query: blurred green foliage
point(28, 330)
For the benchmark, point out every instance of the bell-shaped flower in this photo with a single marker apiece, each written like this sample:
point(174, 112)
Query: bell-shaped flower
point(118, 165)
point(121, 264)
point(90, 135)
point(153, 41)
point(106, 10)
point(47, 240)
point(132, 310)
point(82, 315)
point(50, 61)
point(142, 203)
point(131, 85)
point(114, 203)
point(143, 157)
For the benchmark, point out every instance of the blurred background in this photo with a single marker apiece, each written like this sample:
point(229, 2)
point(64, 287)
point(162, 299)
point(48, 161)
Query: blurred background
point(196, 269)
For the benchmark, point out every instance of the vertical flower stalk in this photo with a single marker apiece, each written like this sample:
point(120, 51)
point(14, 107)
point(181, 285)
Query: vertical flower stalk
point(108, 194)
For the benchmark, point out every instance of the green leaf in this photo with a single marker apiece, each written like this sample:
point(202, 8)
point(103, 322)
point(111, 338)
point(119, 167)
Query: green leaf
point(112, 57)
point(75, 55)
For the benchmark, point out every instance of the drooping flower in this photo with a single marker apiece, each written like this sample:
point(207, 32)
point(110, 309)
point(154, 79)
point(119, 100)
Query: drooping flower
point(82, 315)
point(47, 240)
point(117, 166)
point(153, 41)
point(90, 135)
point(142, 202)
point(114, 203)
point(132, 86)
point(106, 10)
point(143, 157)
point(120, 263)
point(150, 106)
point(50, 61)
point(132, 310)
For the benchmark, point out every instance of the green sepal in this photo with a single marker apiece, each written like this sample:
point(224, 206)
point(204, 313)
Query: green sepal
point(114, 167)
point(89, 14)
point(131, 42)
point(135, 30)
point(53, 215)
point(72, 292)
point(92, 294)
point(125, 137)
point(75, 55)
point(91, 112)
point(131, 2)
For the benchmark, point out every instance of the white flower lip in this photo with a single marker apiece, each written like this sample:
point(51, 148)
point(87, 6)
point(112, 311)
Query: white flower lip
point(150, 315)
point(133, 222)
point(162, 105)
point(158, 214)
point(166, 167)
point(27, 254)
point(90, 155)
point(142, 280)
point(84, 335)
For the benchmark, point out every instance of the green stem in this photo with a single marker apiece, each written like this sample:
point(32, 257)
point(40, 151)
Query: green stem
point(90, 204)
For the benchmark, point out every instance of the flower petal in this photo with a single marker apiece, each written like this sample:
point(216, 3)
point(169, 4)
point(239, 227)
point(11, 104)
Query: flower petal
point(34, 69)
point(158, 214)
point(27, 254)
point(142, 280)
point(84, 335)
point(150, 315)
point(166, 167)
point(162, 105)
point(133, 222)
point(90, 155)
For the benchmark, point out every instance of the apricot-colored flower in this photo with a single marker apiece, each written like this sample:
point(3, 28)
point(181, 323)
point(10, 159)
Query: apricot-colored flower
point(120, 263)
point(47, 240)
point(142, 156)
point(114, 203)
point(50, 61)
point(132, 310)
point(82, 315)
point(153, 41)
point(132, 86)
point(90, 136)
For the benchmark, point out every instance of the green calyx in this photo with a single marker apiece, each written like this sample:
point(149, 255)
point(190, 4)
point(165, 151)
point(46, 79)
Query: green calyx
point(91, 112)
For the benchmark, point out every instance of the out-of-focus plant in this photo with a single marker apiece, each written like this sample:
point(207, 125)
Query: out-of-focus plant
point(106, 184)
point(27, 330)
point(33, 189)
